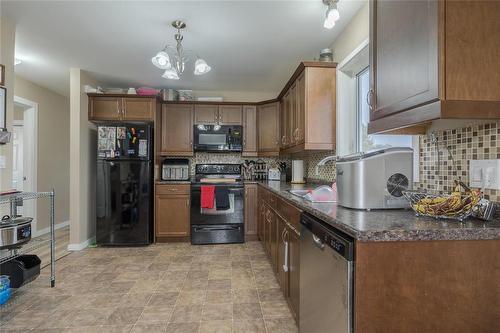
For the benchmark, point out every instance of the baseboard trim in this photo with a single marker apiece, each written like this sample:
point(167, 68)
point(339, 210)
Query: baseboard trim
point(47, 230)
point(79, 247)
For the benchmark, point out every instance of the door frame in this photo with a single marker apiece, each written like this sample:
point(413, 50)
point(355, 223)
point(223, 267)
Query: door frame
point(30, 137)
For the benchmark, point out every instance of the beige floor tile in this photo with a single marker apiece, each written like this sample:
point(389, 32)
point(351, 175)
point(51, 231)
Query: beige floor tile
point(219, 284)
point(183, 328)
point(249, 326)
point(187, 313)
point(192, 297)
point(275, 309)
point(163, 299)
point(272, 294)
point(149, 328)
point(217, 312)
point(281, 325)
point(219, 296)
point(245, 296)
point(220, 274)
point(155, 314)
point(124, 316)
point(216, 326)
point(246, 311)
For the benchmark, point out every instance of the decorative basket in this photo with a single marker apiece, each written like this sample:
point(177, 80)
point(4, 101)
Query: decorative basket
point(457, 206)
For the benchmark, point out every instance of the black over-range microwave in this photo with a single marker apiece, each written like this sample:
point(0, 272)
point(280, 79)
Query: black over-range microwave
point(218, 138)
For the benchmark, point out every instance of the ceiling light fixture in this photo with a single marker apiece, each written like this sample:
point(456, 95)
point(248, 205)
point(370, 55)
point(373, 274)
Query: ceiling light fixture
point(332, 13)
point(173, 59)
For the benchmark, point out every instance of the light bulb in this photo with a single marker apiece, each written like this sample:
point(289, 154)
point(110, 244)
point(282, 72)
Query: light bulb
point(201, 67)
point(171, 74)
point(161, 60)
point(333, 13)
point(328, 24)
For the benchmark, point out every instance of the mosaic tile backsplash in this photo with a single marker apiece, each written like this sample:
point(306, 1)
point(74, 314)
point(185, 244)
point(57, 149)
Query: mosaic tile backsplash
point(438, 167)
point(445, 156)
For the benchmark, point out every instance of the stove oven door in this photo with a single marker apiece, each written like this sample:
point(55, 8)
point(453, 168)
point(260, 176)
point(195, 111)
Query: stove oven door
point(211, 226)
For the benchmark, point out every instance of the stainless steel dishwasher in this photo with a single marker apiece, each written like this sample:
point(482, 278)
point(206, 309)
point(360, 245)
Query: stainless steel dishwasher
point(326, 278)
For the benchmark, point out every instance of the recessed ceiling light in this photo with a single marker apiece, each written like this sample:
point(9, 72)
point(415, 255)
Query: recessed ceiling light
point(17, 61)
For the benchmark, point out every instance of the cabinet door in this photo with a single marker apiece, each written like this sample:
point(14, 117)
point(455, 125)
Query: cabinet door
point(251, 210)
point(300, 109)
point(230, 115)
point(177, 129)
point(206, 114)
point(403, 55)
point(172, 215)
point(290, 121)
point(138, 108)
point(285, 106)
point(268, 217)
point(294, 271)
point(268, 116)
point(261, 221)
point(249, 130)
point(105, 108)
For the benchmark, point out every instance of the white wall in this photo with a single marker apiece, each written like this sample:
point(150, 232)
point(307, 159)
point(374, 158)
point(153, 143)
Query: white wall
point(53, 147)
point(7, 49)
point(82, 163)
point(353, 34)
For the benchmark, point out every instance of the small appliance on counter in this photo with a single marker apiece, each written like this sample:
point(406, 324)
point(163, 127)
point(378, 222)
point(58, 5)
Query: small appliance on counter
point(298, 172)
point(375, 180)
point(274, 173)
point(175, 169)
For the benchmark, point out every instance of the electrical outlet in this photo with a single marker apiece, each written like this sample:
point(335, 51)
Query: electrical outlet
point(484, 174)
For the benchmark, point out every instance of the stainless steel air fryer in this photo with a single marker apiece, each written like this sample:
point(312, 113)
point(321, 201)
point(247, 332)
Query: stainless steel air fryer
point(375, 180)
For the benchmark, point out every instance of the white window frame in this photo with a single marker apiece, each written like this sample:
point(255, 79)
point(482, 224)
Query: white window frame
point(348, 138)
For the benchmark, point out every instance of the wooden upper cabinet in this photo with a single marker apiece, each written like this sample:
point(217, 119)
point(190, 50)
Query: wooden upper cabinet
point(249, 130)
point(105, 108)
point(230, 115)
point(206, 114)
point(133, 108)
point(268, 129)
point(177, 130)
point(138, 108)
point(309, 117)
point(424, 62)
point(300, 109)
point(404, 64)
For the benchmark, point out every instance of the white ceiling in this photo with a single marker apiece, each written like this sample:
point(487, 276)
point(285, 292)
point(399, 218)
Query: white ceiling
point(251, 45)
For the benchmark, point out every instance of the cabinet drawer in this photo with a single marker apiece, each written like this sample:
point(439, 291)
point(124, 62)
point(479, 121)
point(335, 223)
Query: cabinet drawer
point(173, 189)
point(290, 213)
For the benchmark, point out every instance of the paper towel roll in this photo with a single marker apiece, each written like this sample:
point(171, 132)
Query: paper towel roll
point(298, 171)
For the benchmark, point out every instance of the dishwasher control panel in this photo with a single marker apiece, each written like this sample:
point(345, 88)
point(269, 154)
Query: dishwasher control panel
point(329, 236)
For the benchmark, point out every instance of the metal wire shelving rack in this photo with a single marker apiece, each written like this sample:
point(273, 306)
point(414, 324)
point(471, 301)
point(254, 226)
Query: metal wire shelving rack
point(16, 199)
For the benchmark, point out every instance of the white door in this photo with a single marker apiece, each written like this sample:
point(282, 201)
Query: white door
point(17, 158)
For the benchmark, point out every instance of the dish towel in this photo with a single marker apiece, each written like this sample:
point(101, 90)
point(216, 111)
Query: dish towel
point(207, 196)
point(222, 198)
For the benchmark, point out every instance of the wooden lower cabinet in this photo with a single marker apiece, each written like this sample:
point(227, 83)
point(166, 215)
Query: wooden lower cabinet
point(251, 212)
point(172, 210)
point(281, 241)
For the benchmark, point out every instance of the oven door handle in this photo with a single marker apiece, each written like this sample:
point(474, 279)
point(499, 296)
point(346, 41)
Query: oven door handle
point(218, 228)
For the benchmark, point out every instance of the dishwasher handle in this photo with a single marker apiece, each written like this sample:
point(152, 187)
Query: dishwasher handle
point(317, 241)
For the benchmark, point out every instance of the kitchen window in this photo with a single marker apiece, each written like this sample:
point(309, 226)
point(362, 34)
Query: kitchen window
point(366, 142)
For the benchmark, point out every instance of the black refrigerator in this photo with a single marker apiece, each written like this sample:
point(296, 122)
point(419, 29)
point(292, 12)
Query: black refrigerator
point(124, 193)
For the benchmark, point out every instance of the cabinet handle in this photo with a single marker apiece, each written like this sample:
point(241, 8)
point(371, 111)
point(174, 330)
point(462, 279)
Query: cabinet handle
point(118, 109)
point(173, 189)
point(369, 95)
point(187, 203)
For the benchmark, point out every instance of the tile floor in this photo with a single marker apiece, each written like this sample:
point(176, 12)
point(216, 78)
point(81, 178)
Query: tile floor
point(172, 287)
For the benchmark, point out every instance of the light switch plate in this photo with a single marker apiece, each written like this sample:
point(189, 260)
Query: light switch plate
point(484, 174)
point(2, 162)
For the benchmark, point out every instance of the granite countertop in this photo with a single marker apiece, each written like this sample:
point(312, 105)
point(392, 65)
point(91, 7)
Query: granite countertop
point(387, 225)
